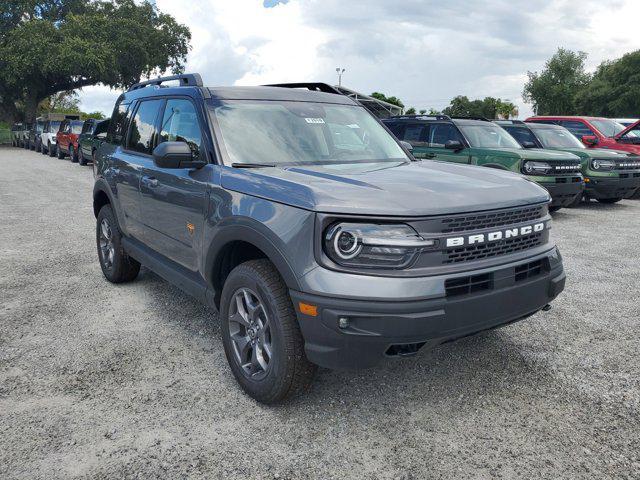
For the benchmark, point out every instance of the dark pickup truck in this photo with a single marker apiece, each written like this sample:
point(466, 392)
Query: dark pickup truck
point(313, 231)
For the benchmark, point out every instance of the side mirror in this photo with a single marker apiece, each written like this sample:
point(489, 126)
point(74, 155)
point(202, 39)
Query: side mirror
point(528, 145)
point(590, 140)
point(175, 155)
point(406, 145)
point(454, 145)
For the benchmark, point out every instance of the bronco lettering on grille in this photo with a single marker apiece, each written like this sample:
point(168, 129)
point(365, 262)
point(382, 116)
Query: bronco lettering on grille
point(481, 238)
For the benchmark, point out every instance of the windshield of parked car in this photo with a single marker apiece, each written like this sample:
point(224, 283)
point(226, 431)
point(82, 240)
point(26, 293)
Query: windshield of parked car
point(488, 136)
point(302, 133)
point(76, 127)
point(557, 137)
point(608, 128)
point(54, 127)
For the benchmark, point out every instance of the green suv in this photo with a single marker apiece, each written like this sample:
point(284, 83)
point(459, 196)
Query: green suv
point(478, 141)
point(609, 175)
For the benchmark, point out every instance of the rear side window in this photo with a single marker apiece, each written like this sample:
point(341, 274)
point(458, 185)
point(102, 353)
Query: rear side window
point(441, 133)
point(416, 134)
point(118, 124)
point(142, 130)
point(180, 124)
point(522, 135)
point(579, 129)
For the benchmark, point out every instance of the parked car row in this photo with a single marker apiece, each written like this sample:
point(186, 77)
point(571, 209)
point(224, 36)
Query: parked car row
point(318, 231)
point(62, 136)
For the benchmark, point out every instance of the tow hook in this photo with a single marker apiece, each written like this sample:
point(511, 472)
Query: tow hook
point(546, 308)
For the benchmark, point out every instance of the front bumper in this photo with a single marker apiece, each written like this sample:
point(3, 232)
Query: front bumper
point(378, 329)
point(612, 187)
point(563, 194)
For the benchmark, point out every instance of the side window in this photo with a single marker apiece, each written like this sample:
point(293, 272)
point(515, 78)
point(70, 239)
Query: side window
point(180, 124)
point(86, 126)
point(579, 129)
point(441, 133)
point(416, 134)
point(396, 128)
point(118, 125)
point(521, 134)
point(142, 130)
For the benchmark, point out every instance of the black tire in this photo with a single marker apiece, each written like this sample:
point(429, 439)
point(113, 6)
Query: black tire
point(26, 145)
point(81, 159)
point(59, 153)
point(288, 371)
point(73, 155)
point(609, 200)
point(576, 201)
point(117, 266)
point(51, 150)
point(554, 208)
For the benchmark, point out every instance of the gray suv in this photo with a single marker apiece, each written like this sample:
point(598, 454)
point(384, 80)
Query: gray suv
point(313, 231)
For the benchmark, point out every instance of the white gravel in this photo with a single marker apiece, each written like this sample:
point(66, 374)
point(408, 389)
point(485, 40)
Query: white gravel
point(130, 381)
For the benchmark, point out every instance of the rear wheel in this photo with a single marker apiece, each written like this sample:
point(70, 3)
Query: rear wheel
point(261, 336)
point(609, 200)
point(51, 149)
point(117, 266)
point(73, 155)
point(81, 159)
point(59, 152)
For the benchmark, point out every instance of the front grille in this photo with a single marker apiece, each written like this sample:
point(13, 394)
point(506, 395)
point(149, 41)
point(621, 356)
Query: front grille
point(481, 221)
point(467, 285)
point(628, 164)
point(565, 167)
point(493, 249)
point(528, 270)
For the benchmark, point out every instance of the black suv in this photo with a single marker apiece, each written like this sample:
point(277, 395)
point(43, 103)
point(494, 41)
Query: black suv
point(316, 234)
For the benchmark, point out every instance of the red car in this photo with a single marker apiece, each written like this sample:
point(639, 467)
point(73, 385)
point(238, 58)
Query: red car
point(598, 132)
point(67, 139)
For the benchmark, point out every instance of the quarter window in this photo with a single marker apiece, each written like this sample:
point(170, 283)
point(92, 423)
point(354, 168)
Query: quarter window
point(118, 125)
point(142, 131)
point(180, 124)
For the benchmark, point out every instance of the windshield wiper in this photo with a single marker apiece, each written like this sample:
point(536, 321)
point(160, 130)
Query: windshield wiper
point(253, 165)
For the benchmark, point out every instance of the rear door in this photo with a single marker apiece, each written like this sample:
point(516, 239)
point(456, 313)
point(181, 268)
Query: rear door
point(174, 200)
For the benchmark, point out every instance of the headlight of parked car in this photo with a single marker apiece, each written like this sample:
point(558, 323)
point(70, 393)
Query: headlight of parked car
point(603, 164)
point(365, 245)
point(536, 168)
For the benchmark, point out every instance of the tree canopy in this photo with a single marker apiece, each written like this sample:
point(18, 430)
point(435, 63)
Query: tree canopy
point(52, 46)
point(554, 90)
point(391, 100)
point(488, 107)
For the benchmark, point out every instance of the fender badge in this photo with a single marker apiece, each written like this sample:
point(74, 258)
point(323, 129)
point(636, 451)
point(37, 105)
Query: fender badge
point(191, 228)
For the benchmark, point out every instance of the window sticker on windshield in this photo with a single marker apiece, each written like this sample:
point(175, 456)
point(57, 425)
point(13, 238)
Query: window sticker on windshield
point(314, 120)
point(353, 125)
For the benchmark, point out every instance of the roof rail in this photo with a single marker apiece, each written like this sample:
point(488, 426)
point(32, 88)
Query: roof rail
point(313, 86)
point(509, 122)
point(460, 117)
point(421, 117)
point(186, 80)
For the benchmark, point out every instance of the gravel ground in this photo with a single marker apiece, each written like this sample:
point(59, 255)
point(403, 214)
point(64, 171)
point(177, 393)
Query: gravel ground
point(131, 381)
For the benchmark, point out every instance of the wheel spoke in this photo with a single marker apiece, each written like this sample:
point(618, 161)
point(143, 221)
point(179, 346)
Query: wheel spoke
point(250, 304)
point(239, 319)
point(259, 354)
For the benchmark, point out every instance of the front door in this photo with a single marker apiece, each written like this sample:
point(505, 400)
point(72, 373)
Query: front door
point(174, 200)
point(439, 135)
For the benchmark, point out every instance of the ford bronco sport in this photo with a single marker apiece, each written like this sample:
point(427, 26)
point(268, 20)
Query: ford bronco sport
point(477, 141)
point(319, 238)
point(609, 175)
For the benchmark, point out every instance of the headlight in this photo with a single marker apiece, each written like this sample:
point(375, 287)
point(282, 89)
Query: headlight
point(603, 164)
point(366, 245)
point(533, 168)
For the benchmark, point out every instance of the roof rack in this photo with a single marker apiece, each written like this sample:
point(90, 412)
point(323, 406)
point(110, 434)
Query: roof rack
point(460, 117)
point(421, 117)
point(313, 86)
point(186, 80)
point(509, 122)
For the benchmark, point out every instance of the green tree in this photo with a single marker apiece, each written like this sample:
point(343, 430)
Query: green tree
point(554, 90)
point(506, 110)
point(384, 98)
point(410, 111)
point(49, 46)
point(614, 88)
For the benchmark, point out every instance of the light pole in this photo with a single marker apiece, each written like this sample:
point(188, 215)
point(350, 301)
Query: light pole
point(340, 71)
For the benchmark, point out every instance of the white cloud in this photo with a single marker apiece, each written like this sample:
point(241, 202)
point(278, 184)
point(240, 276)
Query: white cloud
point(423, 51)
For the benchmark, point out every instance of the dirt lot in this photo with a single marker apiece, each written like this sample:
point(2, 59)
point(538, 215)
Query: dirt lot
point(107, 381)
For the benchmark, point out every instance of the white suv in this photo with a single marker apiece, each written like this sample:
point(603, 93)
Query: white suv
point(49, 137)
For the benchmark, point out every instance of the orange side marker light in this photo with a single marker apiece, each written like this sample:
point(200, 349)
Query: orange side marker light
point(307, 309)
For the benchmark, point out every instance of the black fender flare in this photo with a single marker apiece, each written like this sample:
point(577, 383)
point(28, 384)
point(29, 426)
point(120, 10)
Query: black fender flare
point(256, 233)
point(102, 187)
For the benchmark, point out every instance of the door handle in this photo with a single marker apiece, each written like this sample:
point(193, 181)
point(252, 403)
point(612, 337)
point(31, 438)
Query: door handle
point(151, 182)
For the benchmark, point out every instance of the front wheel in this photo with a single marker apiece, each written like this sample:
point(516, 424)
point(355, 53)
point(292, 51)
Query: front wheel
point(261, 336)
point(59, 152)
point(117, 266)
point(609, 200)
point(50, 150)
point(73, 155)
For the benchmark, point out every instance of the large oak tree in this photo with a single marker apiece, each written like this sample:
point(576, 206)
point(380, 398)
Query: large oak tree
point(52, 46)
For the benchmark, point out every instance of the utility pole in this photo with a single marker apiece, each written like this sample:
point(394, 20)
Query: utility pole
point(340, 71)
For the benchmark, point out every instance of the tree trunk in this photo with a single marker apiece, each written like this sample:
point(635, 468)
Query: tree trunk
point(31, 107)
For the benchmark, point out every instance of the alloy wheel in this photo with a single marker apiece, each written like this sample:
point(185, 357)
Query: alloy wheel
point(250, 332)
point(107, 250)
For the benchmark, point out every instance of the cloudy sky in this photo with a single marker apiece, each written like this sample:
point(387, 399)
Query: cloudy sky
point(425, 52)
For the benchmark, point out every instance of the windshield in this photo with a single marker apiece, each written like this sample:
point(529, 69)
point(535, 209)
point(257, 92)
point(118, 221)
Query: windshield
point(488, 136)
point(608, 128)
point(302, 133)
point(54, 127)
point(76, 127)
point(558, 137)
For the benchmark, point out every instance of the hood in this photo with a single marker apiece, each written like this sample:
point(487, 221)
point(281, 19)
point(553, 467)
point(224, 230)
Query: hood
point(598, 153)
point(387, 189)
point(530, 154)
